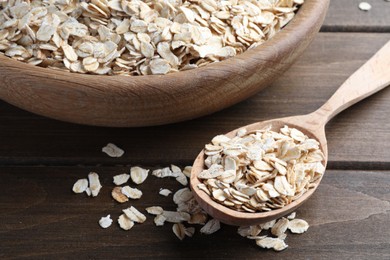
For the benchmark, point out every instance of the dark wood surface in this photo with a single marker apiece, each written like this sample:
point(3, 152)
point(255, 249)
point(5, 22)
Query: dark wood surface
point(40, 159)
point(345, 16)
point(42, 218)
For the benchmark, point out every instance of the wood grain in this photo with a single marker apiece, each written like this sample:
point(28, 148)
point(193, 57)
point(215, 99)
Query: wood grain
point(345, 16)
point(41, 218)
point(329, 61)
point(154, 100)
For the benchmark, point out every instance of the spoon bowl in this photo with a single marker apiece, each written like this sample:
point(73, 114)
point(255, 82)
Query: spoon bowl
point(370, 78)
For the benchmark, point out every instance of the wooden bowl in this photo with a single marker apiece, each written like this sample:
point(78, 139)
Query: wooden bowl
point(122, 101)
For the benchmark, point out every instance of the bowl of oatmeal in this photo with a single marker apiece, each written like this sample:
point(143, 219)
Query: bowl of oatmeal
point(129, 63)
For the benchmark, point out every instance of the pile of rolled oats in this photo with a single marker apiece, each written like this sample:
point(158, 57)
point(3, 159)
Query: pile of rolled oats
point(133, 37)
point(261, 170)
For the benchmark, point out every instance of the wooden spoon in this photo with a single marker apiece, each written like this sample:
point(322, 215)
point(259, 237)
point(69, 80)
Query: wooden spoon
point(373, 76)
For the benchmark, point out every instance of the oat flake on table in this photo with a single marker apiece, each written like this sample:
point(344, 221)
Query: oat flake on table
point(112, 150)
point(188, 211)
point(105, 222)
point(132, 37)
point(364, 6)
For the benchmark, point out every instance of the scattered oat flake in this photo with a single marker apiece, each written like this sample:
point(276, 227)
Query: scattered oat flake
point(251, 231)
point(182, 195)
point(298, 226)
point(269, 242)
point(292, 216)
point(112, 150)
point(155, 210)
point(189, 231)
point(164, 172)
point(80, 186)
point(88, 191)
point(211, 227)
point(134, 215)
point(159, 220)
point(138, 174)
point(105, 222)
point(364, 6)
point(181, 178)
point(164, 192)
point(282, 236)
point(94, 183)
point(268, 225)
point(131, 193)
point(117, 194)
point(187, 171)
point(176, 217)
point(124, 222)
point(121, 178)
point(280, 227)
point(179, 230)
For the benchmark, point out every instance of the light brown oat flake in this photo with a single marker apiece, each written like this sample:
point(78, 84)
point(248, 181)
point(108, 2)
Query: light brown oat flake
point(117, 194)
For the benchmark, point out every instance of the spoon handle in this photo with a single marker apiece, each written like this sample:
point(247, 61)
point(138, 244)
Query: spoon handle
point(373, 76)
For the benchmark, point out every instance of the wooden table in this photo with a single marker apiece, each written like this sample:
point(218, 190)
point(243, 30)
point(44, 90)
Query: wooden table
point(40, 159)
